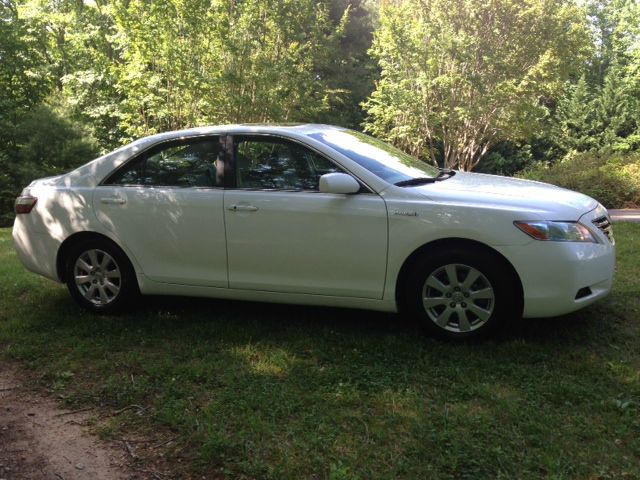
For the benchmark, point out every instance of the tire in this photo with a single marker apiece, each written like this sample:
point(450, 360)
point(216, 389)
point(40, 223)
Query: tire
point(99, 276)
point(460, 294)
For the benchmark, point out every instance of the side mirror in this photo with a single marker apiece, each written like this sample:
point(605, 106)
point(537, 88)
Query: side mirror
point(338, 183)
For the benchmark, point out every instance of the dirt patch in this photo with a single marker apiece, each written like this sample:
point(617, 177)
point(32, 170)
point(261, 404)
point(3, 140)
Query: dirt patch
point(39, 440)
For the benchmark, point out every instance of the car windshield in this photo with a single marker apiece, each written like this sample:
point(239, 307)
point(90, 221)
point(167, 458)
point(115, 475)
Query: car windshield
point(380, 158)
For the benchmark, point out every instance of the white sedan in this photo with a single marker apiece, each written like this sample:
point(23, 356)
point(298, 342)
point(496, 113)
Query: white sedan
point(317, 215)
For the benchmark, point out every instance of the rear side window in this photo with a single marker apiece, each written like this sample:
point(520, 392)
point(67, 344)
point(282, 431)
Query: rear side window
point(184, 163)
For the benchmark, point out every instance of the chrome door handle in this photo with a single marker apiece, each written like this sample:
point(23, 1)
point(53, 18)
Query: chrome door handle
point(243, 208)
point(113, 200)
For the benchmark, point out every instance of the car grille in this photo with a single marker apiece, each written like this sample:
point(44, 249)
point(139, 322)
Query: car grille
point(604, 225)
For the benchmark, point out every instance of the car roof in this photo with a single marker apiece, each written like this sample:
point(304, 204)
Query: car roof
point(274, 128)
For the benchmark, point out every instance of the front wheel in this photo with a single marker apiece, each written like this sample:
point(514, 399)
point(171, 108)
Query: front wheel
point(99, 276)
point(461, 295)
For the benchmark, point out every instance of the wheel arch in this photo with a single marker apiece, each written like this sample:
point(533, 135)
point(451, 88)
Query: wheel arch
point(75, 239)
point(448, 244)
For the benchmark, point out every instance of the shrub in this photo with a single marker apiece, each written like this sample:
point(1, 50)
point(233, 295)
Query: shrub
point(48, 141)
point(612, 179)
point(506, 158)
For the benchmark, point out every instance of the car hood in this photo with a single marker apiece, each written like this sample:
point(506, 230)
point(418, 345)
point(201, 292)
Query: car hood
point(549, 201)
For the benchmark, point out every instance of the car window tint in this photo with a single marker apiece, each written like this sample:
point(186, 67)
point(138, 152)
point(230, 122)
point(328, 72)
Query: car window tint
point(188, 165)
point(182, 164)
point(130, 174)
point(279, 165)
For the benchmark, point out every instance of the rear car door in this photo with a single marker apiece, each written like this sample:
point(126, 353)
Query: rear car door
point(166, 207)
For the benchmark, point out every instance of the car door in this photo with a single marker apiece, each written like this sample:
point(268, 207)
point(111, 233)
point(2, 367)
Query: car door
point(166, 207)
point(283, 235)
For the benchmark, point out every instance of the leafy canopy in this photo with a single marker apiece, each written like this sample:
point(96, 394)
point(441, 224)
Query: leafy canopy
point(459, 75)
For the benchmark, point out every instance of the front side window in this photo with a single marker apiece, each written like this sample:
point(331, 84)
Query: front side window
point(274, 164)
point(184, 163)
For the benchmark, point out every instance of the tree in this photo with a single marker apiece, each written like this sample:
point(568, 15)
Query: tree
point(52, 141)
point(574, 125)
point(24, 82)
point(460, 75)
point(192, 62)
point(134, 67)
point(600, 111)
point(350, 72)
point(614, 112)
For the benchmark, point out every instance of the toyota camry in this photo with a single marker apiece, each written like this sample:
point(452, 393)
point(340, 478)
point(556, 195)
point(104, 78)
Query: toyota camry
point(317, 215)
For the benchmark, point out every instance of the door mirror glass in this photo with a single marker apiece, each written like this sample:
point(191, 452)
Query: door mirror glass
point(338, 183)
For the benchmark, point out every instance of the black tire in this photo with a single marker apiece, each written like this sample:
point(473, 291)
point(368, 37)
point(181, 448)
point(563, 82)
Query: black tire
point(110, 285)
point(456, 312)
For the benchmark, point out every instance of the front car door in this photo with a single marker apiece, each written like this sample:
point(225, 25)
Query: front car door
point(283, 235)
point(166, 207)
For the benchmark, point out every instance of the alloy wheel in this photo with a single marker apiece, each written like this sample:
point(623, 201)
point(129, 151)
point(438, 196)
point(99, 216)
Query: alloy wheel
point(97, 277)
point(458, 298)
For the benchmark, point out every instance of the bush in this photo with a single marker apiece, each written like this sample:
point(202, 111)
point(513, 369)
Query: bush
point(48, 141)
point(613, 179)
point(506, 158)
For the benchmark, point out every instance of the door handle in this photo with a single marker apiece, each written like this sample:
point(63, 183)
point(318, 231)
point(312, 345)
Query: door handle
point(113, 200)
point(243, 208)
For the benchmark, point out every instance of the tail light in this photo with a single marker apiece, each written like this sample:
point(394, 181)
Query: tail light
point(25, 203)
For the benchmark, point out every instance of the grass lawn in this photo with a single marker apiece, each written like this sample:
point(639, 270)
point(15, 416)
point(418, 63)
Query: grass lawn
point(274, 391)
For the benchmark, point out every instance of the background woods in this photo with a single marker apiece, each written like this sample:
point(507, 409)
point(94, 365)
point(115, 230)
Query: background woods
point(548, 88)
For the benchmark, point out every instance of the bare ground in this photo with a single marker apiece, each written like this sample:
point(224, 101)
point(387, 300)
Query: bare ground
point(39, 440)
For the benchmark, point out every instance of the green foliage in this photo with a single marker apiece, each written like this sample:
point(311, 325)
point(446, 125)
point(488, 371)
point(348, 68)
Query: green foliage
point(613, 180)
point(614, 114)
point(507, 158)
point(132, 68)
point(574, 122)
point(601, 111)
point(598, 112)
point(351, 72)
point(48, 141)
point(51, 142)
point(23, 77)
point(602, 119)
point(195, 62)
point(25, 82)
point(7, 189)
point(460, 76)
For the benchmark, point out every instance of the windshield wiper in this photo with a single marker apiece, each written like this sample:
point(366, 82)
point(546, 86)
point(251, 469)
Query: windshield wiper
point(443, 175)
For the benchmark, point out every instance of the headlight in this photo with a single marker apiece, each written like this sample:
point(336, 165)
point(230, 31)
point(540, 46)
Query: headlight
point(557, 231)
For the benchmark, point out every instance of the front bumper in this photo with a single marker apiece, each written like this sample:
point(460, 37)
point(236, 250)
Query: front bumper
point(561, 277)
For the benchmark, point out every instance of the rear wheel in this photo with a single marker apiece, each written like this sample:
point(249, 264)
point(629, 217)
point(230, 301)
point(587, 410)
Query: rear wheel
point(99, 276)
point(458, 294)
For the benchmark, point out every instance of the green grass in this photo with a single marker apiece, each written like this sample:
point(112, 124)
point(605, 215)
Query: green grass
point(269, 391)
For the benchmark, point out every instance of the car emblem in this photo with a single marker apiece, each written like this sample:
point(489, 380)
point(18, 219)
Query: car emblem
point(405, 213)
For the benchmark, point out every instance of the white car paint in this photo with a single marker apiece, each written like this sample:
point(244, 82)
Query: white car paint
point(271, 249)
point(167, 230)
point(312, 248)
